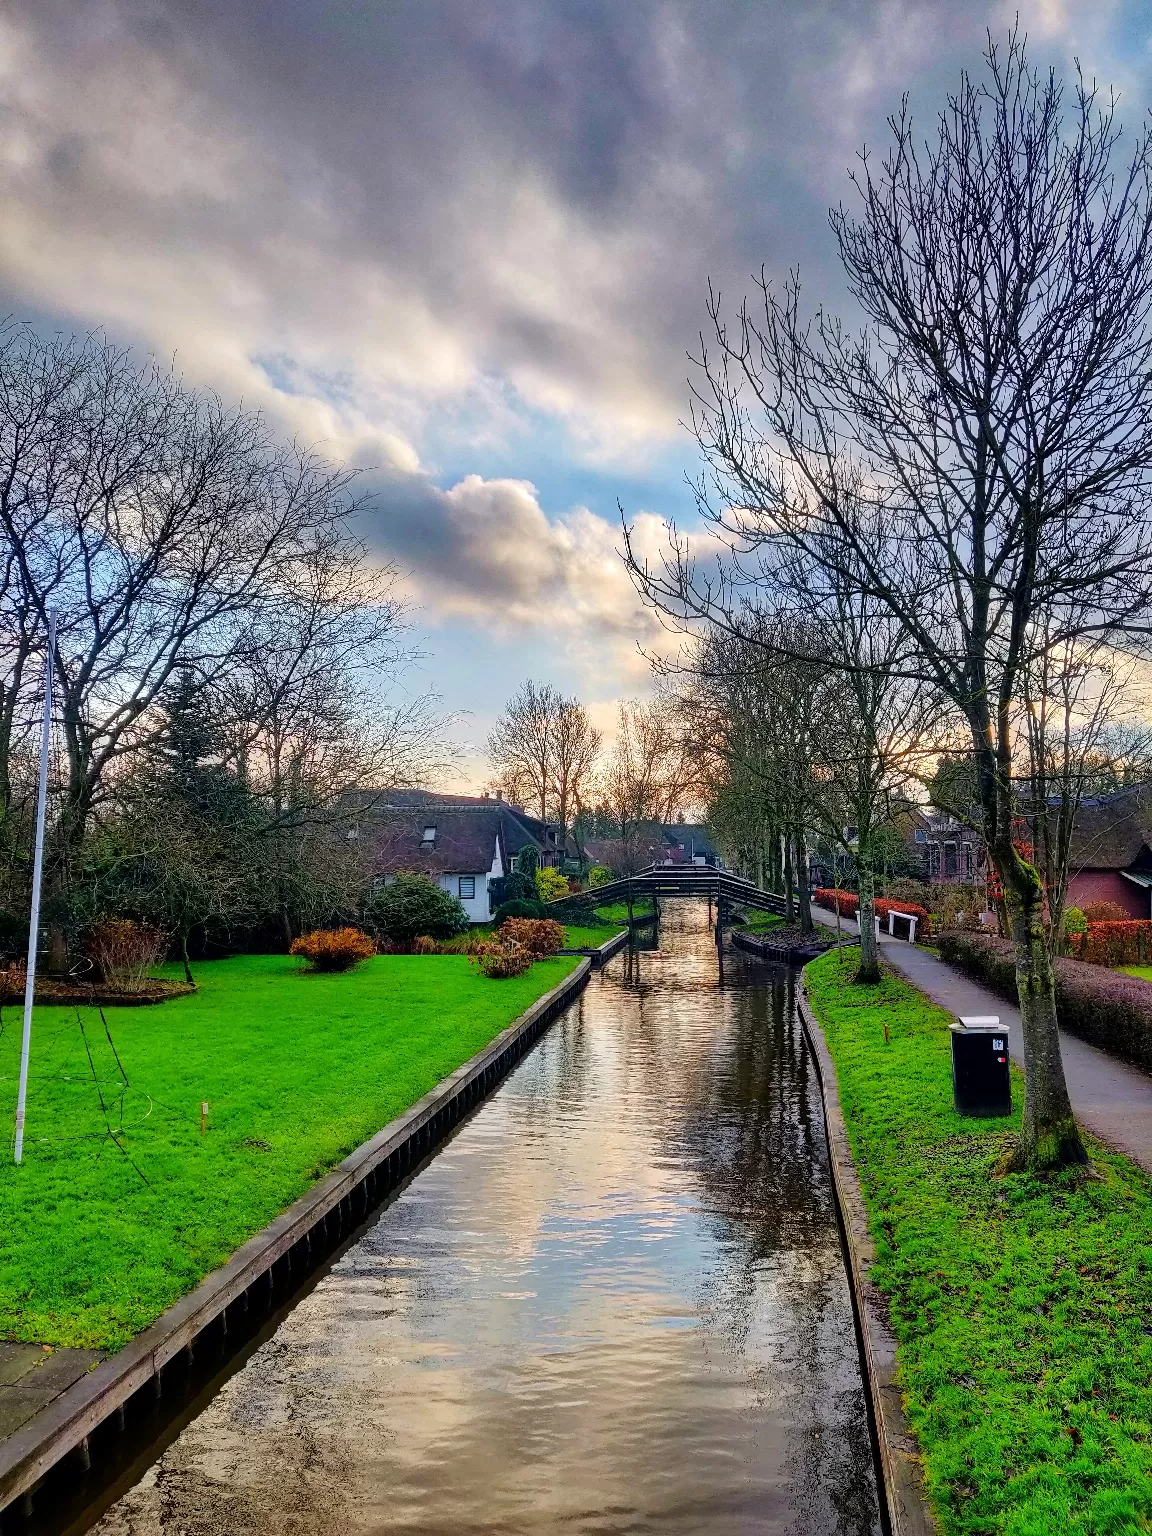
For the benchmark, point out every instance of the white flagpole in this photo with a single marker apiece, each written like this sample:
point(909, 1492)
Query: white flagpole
point(37, 872)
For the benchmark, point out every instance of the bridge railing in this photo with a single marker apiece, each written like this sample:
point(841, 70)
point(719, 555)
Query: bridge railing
point(683, 880)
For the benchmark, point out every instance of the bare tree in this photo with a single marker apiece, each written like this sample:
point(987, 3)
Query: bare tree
point(168, 531)
point(655, 768)
point(544, 751)
point(576, 751)
point(980, 454)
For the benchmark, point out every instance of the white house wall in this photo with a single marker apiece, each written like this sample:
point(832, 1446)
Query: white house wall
point(476, 906)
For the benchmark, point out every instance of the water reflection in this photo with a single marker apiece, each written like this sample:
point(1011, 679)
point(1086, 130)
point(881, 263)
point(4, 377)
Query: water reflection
point(614, 1302)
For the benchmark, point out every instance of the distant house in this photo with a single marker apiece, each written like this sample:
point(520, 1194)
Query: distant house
point(463, 842)
point(949, 851)
point(687, 843)
point(1111, 852)
point(653, 843)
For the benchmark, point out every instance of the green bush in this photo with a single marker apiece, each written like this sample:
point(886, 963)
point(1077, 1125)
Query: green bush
point(518, 909)
point(512, 887)
point(1075, 921)
point(411, 905)
point(550, 883)
point(599, 874)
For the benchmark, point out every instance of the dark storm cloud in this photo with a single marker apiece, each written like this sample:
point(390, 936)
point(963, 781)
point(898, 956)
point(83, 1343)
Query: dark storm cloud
point(383, 222)
point(550, 182)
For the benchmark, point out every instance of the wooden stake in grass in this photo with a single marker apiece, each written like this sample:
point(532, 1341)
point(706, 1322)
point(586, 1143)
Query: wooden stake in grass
point(203, 1118)
point(887, 1040)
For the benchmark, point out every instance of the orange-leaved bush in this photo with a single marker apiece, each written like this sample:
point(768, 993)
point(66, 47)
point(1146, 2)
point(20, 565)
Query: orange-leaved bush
point(501, 958)
point(540, 936)
point(333, 949)
point(425, 944)
point(849, 903)
point(1126, 943)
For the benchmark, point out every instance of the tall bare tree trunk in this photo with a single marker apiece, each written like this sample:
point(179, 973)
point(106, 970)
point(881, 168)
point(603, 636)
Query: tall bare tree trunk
point(802, 891)
point(866, 917)
point(789, 887)
point(1048, 1134)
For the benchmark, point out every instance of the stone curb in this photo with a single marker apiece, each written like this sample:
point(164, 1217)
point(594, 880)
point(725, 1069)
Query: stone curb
point(351, 1189)
point(902, 1486)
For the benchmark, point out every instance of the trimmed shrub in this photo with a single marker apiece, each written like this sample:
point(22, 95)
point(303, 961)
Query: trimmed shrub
point(500, 959)
point(599, 875)
point(411, 905)
point(1074, 922)
point(1104, 1007)
point(123, 952)
point(508, 909)
point(1125, 943)
point(849, 903)
point(541, 937)
point(550, 884)
point(1105, 912)
point(333, 949)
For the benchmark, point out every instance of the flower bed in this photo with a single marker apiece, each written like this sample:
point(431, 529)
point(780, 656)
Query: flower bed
point(849, 904)
point(1104, 1007)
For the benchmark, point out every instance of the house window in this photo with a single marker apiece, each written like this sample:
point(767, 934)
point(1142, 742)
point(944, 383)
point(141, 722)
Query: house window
point(921, 835)
point(467, 887)
point(429, 836)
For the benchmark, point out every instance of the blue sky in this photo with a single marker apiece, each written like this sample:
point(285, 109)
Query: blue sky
point(464, 246)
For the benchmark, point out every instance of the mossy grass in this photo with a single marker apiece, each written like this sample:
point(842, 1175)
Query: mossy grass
point(1022, 1306)
point(99, 1234)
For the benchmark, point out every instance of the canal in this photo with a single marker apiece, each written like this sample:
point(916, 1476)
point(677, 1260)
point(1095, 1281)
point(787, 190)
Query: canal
point(614, 1301)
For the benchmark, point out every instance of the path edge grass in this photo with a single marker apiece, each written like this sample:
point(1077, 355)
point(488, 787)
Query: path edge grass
point(901, 1477)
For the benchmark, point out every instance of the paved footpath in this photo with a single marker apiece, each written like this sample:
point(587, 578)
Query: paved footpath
point(1111, 1098)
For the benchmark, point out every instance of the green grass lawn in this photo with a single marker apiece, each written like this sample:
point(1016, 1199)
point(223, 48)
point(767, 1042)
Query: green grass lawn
point(617, 911)
point(98, 1236)
point(1022, 1307)
point(1143, 971)
point(763, 922)
point(589, 938)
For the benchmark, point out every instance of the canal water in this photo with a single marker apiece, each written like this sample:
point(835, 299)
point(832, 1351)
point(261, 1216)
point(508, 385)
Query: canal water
point(615, 1301)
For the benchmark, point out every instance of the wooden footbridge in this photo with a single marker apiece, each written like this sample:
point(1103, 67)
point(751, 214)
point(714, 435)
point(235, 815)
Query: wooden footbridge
point(719, 886)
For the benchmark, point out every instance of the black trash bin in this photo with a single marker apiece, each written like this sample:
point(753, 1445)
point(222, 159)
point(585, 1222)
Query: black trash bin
point(981, 1079)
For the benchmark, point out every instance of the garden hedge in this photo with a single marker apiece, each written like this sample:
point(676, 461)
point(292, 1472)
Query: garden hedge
point(1104, 1007)
point(1113, 943)
point(849, 901)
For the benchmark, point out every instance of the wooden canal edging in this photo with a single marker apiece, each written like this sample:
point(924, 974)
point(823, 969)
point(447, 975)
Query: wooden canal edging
point(600, 957)
point(900, 1479)
point(338, 1201)
point(763, 947)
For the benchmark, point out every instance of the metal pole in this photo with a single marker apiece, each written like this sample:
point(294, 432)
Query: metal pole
point(37, 872)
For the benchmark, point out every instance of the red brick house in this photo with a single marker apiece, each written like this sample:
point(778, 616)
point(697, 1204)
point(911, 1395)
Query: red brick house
point(1111, 854)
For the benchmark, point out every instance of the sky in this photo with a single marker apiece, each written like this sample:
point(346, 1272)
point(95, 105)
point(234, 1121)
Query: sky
point(464, 247)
